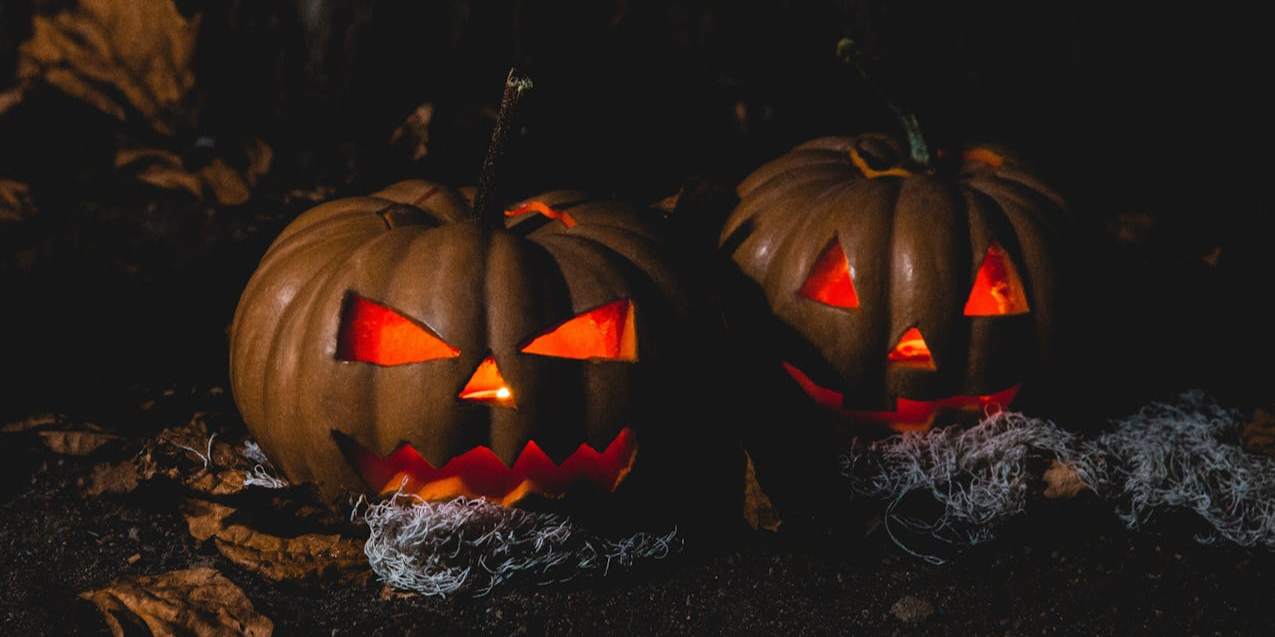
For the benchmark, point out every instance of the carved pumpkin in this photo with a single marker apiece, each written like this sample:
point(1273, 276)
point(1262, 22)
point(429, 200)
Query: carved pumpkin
point(394, 341)
point(893, 293)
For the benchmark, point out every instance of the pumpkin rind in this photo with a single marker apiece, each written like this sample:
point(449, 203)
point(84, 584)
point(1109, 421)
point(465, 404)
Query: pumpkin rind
point(414, 249)
point(914, 241)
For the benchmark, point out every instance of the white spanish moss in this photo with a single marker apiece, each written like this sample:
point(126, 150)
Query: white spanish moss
point(1167, 457)
point(471, 545)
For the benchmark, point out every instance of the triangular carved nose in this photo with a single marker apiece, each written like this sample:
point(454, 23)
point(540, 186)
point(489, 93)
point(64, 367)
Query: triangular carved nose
point(912, 350)
point(487, 385)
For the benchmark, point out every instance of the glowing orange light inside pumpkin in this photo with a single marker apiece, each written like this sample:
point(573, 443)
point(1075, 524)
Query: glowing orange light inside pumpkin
point(984, 156)
point(908, 415)
point(997, 288)
point(373, 333)
point(479, 472)
point(829, 281)
point(544, 209)
point(912, 350)
point(607, 332)
point(487, 385)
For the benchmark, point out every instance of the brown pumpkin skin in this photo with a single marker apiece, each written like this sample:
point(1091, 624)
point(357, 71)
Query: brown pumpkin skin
point(414, 247)
point(914, 241)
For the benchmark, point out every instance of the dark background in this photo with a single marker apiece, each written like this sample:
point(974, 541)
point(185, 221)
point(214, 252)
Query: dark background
point(1153, 119)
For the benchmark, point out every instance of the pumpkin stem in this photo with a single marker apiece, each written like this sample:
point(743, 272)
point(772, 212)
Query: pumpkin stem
point(486, 203)
point(918, 150)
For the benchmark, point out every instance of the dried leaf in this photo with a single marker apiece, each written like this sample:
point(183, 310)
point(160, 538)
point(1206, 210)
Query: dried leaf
point(413, 133)
point(227, 186)
point(159, 168)
point(76, 443)
point(9, 99)
point(1258, 435)
point(120, 56)
point(1062, 481)
point(112, 478)
point(16, 203)
point(197, 602)
point(305, 558)
point(759, 511)
point(34, 421)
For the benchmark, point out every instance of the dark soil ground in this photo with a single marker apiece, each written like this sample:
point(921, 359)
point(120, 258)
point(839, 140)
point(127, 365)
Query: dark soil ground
point(115, 297)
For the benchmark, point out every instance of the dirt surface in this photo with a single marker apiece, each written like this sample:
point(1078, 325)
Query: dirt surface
point(117, 293)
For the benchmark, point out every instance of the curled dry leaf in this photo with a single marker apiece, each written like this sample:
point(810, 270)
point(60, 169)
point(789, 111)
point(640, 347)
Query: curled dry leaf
point(413, 134)
point(123, 57)
point(16, 203)
point(197, 602)
point(160, 168)
point(759, 511)
point(120, 477)
point(34, 421)
point(61, 435)
point(1258, 434)
point(76, 443)
point(229, 185)
point(1062, 481)
point(310, 557)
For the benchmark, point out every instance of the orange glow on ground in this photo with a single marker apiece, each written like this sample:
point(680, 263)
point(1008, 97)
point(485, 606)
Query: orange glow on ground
point(480, 473)
point(912, 350)
point(376, 334)
point(544, 209)
point(829, 281)
point(487, 385)
point(908, 415)
point(607, 333)
point(997, 289)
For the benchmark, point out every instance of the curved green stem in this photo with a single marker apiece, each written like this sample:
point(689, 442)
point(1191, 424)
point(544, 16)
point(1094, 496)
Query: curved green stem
point(918, 150)
point(486, 200)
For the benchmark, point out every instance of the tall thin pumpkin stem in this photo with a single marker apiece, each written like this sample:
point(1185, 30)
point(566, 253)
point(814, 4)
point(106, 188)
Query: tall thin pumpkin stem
point(487, 205)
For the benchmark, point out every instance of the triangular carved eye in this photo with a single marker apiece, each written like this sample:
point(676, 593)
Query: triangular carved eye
point(829, 281)
point(608, 333)
point(373, 333)
point(998, 290)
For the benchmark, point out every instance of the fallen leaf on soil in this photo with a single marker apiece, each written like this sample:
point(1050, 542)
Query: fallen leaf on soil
point(759, 511)
point(61, 435)
point(16, 203)
point(305, 558)
point(160, 168)
point(112, 478)
point(1062, 481)
point(120, 56)
point(9, 99)
point(34, 421)
point(197, 602)
point(76, 443)
point(229, 185)
point(1258, 435)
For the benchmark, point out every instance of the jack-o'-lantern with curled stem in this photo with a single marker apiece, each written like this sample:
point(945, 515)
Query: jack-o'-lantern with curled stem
point(395, 341)
point(899, 291)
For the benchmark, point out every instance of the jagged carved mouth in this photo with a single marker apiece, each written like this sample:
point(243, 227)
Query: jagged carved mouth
point(908, 415)
point(479, 472)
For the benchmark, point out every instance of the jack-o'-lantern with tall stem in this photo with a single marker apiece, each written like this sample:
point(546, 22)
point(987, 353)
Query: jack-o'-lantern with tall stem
point(418, 340)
